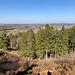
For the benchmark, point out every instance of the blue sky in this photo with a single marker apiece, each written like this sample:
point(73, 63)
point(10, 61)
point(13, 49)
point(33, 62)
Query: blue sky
point(37, 11)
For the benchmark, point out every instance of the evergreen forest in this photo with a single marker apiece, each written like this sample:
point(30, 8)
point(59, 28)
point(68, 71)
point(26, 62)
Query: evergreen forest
point(47, 42)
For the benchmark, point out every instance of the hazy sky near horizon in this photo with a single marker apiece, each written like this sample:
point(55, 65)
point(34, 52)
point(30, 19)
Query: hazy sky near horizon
point(37, 11)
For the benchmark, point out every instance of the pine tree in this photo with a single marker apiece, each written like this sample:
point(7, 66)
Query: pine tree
point(28, 43)
point(47, 40)
point(4, 40)
point(63, 40)
point(24, 44)
point(40, 48)
point(71, 33)
point(50, 39)
point(31, 43)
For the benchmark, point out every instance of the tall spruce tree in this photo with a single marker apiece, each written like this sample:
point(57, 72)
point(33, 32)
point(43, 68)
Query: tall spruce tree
point(71, 33)
point(24, 44)
point(4, 40)
point(31, 43)
point(40, 48)
point(64, 40)
point(28, 43)
point(49, 40)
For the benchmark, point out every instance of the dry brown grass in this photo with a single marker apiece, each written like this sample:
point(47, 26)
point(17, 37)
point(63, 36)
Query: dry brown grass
point(60, 66)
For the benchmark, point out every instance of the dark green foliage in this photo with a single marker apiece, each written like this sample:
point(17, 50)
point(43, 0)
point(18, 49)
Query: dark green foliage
point(71, 42)
point(47, 40)
point(28, 43)
point(40, 46)
point(63, 37)
point(55, 42)
point(4, 40)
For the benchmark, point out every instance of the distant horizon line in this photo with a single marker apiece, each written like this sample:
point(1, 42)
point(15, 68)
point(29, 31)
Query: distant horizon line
point(35, 23)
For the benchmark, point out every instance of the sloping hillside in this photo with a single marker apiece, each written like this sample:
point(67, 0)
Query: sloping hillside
point(13, 65)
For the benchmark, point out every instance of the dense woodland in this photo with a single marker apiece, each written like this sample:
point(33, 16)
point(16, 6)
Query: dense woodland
point(48, 42)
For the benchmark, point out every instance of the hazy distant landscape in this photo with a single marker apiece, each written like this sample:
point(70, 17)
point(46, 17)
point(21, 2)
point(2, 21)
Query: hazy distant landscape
point(11, 28)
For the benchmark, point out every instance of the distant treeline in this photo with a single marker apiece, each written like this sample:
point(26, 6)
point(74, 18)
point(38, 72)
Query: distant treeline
point(46, 41)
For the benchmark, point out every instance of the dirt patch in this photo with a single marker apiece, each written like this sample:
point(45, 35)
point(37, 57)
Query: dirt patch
point(13, 65)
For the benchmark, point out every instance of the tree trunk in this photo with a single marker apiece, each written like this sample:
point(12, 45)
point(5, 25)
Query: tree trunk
point(39, 58)
point(55, 54)
point(46, 54)
point(11, 44)
point(55, 50)
point(50, 56)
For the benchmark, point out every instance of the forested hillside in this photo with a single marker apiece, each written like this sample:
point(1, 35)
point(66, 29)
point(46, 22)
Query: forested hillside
point(46, 43)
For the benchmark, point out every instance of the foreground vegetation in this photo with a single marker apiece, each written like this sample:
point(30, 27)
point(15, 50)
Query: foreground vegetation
point(11, 64)
point(48, 42)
